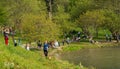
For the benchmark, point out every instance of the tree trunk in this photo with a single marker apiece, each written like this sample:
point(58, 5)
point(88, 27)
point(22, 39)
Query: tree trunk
point(50, 9)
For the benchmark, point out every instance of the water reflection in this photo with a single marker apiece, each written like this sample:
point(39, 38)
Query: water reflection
point(102, 58)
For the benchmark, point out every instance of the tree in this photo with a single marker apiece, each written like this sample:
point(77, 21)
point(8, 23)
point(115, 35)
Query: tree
point(49, 4)
point(112, 22)
point(61, 16)
point(38, 28)
point(18, 8)
point(79, 7)
point(91, 21)
point(3, 16)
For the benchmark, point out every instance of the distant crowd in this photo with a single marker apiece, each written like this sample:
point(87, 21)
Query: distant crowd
point(55, 43)
point(51, 44)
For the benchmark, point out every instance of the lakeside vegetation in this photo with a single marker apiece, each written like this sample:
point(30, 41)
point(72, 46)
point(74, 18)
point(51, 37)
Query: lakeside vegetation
point(53, 19)
point(87, 45)
point(19, 58)
point(33, 20)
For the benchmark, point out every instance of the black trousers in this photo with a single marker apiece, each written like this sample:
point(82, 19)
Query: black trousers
point(46, 53)
point(15, 44)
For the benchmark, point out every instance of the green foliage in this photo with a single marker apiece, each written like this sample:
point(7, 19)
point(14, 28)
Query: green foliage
point(28, 17)
point(91, 20)
point(79, 7)
point(112, 21)
point(38, 27)
point(3, 17)
point(90, 15)
point(19, 8)
point(79, 46)
point(62, 19)
point(30, 20)
point(18, 58)
point(86, 45)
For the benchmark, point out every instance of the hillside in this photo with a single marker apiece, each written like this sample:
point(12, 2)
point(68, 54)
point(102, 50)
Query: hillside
point(18, 58)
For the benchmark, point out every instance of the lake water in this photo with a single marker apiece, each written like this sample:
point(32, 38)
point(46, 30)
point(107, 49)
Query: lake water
point(101, 58)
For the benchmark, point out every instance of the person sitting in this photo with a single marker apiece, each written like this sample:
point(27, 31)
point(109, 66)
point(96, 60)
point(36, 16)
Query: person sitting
point(91, 39)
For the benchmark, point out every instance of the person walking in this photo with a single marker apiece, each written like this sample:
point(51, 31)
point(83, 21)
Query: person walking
point(6, 37)
point(45, 48)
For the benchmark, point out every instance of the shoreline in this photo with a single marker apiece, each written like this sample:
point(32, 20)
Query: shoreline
point(83, 45)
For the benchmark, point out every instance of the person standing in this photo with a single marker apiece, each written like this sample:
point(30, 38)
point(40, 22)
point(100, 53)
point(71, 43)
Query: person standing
point(79, 34)
point(110, 38)
point(39, 44)
point(45, 48)
point(15, 43)
point(117, 37)
point(107, 37)
point(63, 42)
point(56, 43)
point(6, 37)
point(28, 46)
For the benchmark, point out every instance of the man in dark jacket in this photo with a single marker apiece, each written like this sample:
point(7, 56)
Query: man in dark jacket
point(45, 48)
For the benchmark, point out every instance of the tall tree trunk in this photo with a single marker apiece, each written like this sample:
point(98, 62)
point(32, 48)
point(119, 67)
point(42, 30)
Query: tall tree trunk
point(50, 9)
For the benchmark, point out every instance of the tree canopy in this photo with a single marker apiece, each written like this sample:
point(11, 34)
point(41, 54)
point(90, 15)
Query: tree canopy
point(30, 18)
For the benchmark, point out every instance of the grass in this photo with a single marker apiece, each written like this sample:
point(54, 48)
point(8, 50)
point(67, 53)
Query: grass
point(83, 45)
point(78, 46)
point(18, 58)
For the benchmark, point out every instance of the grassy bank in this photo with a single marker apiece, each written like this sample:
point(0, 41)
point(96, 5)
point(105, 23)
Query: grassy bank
point(84, 45)
point(18, 58)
